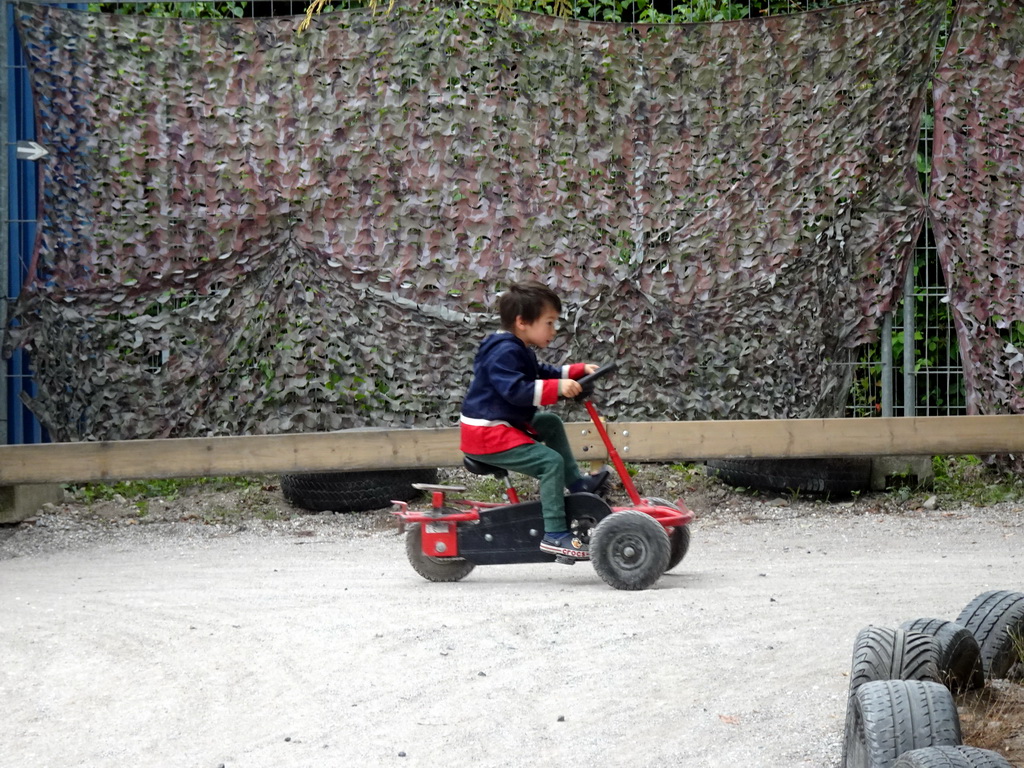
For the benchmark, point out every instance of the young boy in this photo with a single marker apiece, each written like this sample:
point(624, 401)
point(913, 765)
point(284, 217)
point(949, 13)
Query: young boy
point(500, 424)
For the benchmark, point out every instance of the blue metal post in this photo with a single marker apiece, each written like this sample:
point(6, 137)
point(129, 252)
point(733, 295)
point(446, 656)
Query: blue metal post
point(6, 23)
point(18, 205)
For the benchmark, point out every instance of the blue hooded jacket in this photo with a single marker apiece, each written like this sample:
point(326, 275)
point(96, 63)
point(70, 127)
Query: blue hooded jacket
point(508, 386)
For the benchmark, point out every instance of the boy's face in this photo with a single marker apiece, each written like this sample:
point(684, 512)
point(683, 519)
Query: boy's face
point(541, 331)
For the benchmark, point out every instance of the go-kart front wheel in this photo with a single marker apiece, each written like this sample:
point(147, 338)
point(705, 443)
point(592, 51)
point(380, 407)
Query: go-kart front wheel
point(630, 550)
point(434, 568)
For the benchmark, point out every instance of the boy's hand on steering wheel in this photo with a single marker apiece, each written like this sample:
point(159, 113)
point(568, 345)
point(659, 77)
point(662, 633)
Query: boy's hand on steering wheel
point(589, 368)
point(569, 387)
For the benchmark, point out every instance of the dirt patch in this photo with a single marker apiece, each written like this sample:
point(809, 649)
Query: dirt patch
point(993, 718)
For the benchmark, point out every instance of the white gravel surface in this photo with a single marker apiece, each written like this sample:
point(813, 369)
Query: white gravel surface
point(310, 641)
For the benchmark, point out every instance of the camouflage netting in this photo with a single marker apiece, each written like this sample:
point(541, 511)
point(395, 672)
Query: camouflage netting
point(977, 197)
point(247, 231)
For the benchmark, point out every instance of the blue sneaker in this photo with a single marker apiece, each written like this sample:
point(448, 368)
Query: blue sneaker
point(565, 544)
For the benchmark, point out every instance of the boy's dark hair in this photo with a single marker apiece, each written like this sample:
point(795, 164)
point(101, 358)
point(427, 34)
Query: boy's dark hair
point(526, 300)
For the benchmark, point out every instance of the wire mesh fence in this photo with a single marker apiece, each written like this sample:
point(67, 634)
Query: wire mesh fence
point(918, 356)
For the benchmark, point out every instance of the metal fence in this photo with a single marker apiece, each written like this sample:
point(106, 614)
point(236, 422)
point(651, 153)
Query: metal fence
point(891, 377)
point(17, 229)
point(925, 376)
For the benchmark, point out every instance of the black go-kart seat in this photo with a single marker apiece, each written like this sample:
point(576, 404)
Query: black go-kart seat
point(479, 468)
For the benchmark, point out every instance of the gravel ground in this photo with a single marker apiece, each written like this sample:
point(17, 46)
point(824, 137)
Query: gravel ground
point(225, 628)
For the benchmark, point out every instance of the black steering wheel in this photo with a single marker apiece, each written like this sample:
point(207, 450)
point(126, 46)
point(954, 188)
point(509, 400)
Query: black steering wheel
point(588, 381)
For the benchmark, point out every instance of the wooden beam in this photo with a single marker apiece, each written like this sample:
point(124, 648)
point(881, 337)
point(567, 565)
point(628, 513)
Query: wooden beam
point(220, 456)
point(808, 438)
point(398, 448)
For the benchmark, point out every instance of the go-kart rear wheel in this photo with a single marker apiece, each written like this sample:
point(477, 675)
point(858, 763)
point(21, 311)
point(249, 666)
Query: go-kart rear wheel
point(630, 550)
point(678, 537)
point(434, 568)
point(679, 540)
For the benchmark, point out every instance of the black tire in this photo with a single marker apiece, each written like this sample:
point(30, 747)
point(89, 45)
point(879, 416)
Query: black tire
point(678, 538)
point(890, 717)
point(679, 544)
point(881, 653)
point(959, 655)
point(951, 757)
point(995, 619)
point(630, 550)
point(353, 491)
point(434, 568)
point(832, 476)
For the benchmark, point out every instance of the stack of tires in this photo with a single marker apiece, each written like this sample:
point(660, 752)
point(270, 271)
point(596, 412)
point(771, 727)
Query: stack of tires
point(901, 711)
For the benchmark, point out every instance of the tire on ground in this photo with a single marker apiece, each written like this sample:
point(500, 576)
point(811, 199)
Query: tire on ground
point(831, 476)
point(353, 491)
point(996, 619)
point(951, 757)
point(881, 653)
point(959, 655)
point(891, 717)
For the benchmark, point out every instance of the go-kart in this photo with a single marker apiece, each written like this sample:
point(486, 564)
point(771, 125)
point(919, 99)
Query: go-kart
point(630, 545)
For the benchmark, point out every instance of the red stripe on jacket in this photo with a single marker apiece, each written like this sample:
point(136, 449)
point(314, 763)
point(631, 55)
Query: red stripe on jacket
point(500, 436)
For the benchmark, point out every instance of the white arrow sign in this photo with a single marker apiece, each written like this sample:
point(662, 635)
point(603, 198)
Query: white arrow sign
point(29, 150)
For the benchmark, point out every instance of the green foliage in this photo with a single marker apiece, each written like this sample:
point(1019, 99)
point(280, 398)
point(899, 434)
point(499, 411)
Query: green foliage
point(623, 11)
point(488, 488)
point(968, 479)
point(650, 11)
point(689, 472)
point(224, 9)
point(638, 11)
point(934, 351)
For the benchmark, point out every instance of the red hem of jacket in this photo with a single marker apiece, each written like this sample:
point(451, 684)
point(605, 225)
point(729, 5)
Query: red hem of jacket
point(484, 440)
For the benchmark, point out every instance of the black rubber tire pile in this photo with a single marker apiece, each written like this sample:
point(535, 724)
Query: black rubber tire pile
point(901, 711)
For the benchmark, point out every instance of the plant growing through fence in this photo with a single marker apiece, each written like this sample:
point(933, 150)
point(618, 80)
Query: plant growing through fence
point(222, 9)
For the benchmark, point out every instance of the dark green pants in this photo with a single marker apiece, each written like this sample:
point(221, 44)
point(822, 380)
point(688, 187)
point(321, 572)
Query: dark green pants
point(551, 462)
